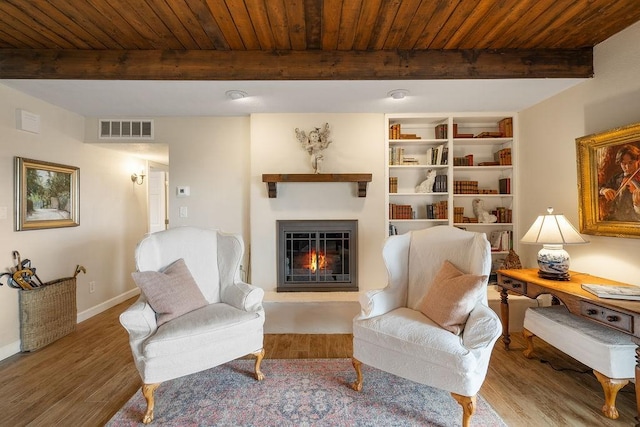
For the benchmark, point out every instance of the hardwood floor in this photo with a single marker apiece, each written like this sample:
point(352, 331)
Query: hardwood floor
point(85, 377)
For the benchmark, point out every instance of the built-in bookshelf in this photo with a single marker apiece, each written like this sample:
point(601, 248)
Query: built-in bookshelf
point(472, 158)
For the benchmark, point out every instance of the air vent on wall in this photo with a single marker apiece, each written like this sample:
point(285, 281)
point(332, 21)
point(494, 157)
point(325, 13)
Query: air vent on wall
point(126, 129)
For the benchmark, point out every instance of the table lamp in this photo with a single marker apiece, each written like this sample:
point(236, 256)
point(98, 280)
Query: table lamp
point(553, 231)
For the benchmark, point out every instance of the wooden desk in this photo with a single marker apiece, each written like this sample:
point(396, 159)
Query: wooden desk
point(617, 314)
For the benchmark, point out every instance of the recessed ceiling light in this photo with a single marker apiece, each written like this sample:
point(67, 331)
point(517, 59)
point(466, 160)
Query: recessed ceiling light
point(235, 94)
point(398, 93)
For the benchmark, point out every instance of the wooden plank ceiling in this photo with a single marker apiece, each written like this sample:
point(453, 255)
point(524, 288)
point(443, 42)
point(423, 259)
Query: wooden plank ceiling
point(305, 39)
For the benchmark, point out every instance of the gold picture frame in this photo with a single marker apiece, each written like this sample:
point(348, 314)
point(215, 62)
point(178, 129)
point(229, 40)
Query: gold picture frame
point(608, 177)
point(47, 195)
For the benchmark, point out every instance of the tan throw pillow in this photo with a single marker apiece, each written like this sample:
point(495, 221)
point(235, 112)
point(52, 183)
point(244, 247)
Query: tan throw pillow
point(172, 292)
point(451, 297)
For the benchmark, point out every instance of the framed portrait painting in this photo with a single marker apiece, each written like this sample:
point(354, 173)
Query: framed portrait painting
point(609, 182)
point(47, 195)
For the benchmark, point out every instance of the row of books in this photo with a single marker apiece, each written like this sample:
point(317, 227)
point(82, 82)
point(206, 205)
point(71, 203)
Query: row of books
point(438, 155)
point(504, 185)
point(465, 187)
point(458, 214)
point(501, 240)
point(471, 187)
point(440, 184)
point(503, 156)
point(503, 214)
point(505, 129)
point(505, 126)
point(393, 184)
point(400, 211)
point(395, 132)
point(397, 157)
point(463, 161)
point(441, 130)
point(438, 210)
point(469, 220)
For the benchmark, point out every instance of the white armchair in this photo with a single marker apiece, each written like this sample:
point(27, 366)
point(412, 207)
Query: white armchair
point(392, 333)
point(228, 325)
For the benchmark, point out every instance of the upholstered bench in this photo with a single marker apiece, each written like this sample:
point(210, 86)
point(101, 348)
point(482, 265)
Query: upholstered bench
point(610, 353)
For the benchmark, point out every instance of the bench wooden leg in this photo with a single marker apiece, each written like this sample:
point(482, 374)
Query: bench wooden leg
point(610, 387)
point(528, 336)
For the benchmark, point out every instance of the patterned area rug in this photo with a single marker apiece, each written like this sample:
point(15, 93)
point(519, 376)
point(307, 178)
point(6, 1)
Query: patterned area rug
point(301, 392)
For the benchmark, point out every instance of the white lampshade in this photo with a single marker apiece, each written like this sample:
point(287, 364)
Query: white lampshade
point(553, 231)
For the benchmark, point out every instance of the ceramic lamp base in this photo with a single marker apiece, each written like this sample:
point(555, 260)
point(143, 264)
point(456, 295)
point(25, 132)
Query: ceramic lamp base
point(553, 262)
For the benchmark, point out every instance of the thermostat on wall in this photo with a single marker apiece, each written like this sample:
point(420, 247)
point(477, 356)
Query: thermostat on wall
point(27, 121)
point(183, 191)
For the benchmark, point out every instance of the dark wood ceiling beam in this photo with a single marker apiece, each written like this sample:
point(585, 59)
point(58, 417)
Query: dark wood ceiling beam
point(294, 65)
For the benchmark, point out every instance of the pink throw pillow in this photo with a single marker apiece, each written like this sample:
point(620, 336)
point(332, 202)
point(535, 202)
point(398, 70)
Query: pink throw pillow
point(172, 292)
point(451, 297)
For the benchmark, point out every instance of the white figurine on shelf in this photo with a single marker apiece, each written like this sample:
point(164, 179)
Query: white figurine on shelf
point(315, 143)
point(426, 186)
point(481, 213)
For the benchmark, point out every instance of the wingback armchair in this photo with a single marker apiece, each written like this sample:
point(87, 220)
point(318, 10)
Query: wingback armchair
point(221, 322)
point(393, 333)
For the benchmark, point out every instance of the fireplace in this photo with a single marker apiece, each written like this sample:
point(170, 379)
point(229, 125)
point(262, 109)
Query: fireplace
point(317, 255)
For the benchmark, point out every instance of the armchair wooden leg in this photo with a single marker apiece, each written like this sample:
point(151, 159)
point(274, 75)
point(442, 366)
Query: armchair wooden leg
point(357, 365)
point(468, 404)
point(610, 387)
point(147, 391)
point(259, 356)
point(528, 336)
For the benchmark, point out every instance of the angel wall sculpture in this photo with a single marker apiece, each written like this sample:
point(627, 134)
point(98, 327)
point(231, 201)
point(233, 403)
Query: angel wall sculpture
point(315, 143)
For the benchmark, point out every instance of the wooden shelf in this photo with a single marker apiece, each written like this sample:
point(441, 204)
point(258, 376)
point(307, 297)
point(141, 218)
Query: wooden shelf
point(272, 179)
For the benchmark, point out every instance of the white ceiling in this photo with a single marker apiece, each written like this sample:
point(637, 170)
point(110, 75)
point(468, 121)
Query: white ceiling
point(148, 99)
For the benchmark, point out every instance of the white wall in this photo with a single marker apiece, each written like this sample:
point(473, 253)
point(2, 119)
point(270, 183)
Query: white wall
point(211, 156)
point(112, 212)
point(548, 152)
point(357, 147)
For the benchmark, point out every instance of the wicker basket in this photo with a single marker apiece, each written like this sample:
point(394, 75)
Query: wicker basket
point(47, 313)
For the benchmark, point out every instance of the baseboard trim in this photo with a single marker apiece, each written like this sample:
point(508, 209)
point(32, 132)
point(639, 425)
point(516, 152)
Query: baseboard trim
point(9, 350)
point(14, 347)
point(89, 313)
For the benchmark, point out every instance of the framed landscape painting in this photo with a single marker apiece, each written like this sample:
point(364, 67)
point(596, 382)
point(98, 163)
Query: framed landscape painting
point(47, 195)
point(609, 182)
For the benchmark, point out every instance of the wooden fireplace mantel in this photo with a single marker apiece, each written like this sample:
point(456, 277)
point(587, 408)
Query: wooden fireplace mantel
point(273, 178)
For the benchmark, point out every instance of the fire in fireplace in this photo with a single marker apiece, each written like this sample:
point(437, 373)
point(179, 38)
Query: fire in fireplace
point(317, 255)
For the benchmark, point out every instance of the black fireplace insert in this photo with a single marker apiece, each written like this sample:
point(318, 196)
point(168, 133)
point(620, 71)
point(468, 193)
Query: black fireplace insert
point(317, 255)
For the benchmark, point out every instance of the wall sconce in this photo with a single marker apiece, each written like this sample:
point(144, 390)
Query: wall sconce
point(138, 178)
point(553, 231)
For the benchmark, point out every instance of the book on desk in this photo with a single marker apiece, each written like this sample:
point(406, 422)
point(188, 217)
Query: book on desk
point(613, 292)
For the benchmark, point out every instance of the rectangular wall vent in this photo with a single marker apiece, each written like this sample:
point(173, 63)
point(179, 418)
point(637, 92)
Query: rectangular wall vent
point(126, 129)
